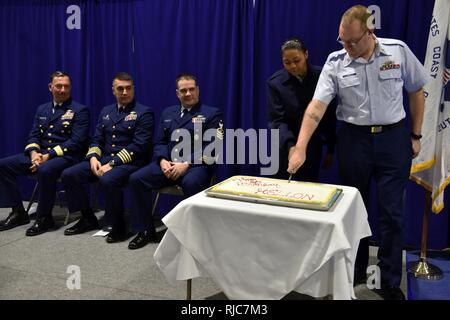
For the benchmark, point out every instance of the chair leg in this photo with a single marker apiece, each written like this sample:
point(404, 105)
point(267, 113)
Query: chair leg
point(66, 220)
point(58, 195)
point(155, 204)
point(33, 197)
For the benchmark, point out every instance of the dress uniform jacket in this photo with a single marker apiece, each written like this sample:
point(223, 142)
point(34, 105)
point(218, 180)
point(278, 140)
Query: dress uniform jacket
point(125, 136)
point(288, 98)
point(171, 121)
point(63, 132)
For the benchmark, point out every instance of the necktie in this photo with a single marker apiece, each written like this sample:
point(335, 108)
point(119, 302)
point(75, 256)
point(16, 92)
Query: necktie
point(183, 112)
point(56, 106)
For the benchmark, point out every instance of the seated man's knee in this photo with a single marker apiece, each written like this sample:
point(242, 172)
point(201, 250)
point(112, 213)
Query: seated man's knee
point(194, 184)
point(106, 181)
point(112, 181)
point(68, 176)
point(135, 180)
point(46, 172)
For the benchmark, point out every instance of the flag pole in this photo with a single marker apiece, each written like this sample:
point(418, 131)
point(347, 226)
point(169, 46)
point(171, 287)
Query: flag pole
point(422, 269)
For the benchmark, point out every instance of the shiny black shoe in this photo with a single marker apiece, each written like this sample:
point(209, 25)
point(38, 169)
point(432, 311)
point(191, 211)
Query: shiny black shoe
point(116, 236)
point(41, 225)
point(13, 220)
point(83, 225)
point(142, 239)
point(390, 293)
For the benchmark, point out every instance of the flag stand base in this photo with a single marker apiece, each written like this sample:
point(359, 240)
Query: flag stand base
point(423, 270)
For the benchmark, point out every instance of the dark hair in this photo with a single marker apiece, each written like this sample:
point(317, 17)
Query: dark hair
point(185, 76)
point(293, 43)
point(123, 76)
point(58, 74)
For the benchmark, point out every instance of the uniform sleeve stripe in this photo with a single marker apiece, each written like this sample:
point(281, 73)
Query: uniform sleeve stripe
point(32, 145)
point(123, 153)
point(121, 157)
point(95, 150)
point(128, 154)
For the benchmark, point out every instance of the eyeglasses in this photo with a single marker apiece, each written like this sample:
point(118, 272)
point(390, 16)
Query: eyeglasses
point(184, 91)
point(351, 43)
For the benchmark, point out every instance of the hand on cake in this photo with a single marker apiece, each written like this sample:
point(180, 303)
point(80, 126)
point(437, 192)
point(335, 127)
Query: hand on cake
point(297, 157)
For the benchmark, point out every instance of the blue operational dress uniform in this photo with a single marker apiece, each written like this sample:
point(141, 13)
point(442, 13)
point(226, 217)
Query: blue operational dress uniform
point(288, 98)
point(60, 131)
point(195, 179)
point(373, 140)
point(123, 136)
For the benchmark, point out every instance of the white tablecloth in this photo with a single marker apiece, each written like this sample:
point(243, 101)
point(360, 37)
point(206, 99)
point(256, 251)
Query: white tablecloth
point(258, 251)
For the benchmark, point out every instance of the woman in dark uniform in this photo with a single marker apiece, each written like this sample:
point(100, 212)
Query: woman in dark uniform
point(289, 92)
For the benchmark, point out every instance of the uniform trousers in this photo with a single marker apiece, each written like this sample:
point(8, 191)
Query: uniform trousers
point(112, 183)
point(386, 157)
point(47, 176)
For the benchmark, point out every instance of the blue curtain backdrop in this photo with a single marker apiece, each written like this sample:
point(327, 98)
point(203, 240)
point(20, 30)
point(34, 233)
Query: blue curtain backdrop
point(231, 45)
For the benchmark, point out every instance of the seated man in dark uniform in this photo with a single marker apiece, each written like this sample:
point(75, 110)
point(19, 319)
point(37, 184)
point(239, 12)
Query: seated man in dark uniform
point(59, 132)
point(166, 169)
point(121, 145)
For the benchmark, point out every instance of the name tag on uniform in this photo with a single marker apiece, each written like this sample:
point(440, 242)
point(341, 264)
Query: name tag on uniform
point(389, 65)
point(167, 120)
point(68, 115)
point(198, 119)
point(132, 116)
point(42, 118)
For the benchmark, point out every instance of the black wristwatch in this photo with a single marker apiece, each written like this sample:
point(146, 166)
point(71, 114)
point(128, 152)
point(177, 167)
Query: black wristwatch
point(111, 163)
point(416, 136)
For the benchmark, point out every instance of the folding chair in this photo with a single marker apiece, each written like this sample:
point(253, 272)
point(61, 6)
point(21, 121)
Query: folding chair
point(175, 190)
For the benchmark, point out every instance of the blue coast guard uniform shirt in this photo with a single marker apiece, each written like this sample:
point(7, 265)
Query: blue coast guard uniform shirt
point(370, 92)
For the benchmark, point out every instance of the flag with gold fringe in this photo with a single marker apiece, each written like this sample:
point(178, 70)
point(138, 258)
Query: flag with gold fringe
point(431, 168)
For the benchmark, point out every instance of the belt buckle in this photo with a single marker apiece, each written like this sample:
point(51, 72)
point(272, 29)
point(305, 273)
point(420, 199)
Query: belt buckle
point(376, 129)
